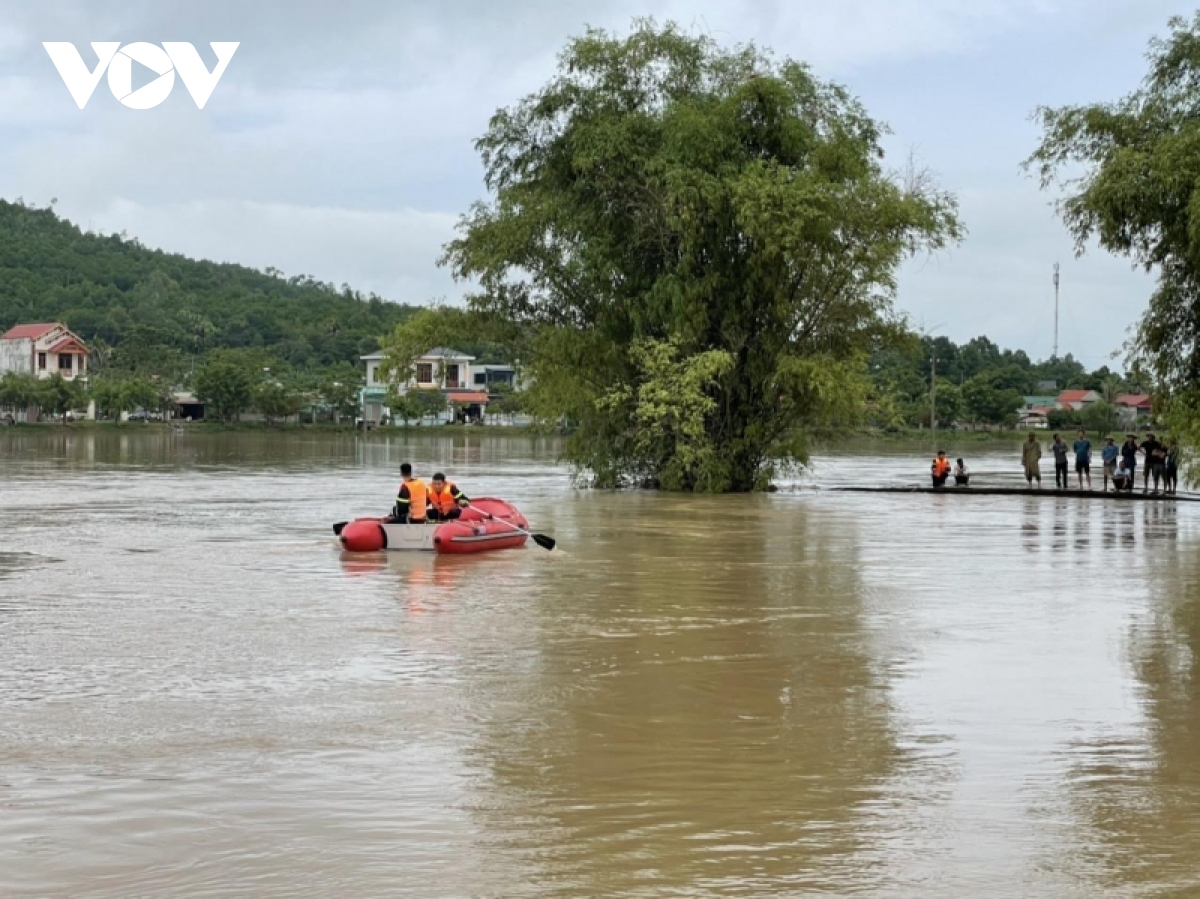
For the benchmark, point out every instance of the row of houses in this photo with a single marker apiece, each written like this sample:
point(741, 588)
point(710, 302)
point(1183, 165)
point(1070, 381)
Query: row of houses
point(1132, 408)
point(46, 348)
point(49, 347)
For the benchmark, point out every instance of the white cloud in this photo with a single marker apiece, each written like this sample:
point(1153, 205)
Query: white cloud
point(391, 253)
point(339, 141)
point(999, 283)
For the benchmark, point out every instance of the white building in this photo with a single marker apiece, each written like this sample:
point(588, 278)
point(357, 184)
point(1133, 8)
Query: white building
point(43, 350)
point(447, 370)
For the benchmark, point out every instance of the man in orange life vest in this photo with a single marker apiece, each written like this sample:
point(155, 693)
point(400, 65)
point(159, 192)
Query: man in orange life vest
point(412, 501)
point(940, 469)
point(446, 501)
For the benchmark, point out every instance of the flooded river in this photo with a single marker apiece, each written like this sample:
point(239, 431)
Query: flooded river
point(794, 694)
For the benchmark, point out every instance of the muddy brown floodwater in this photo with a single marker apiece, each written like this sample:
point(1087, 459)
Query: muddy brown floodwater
point(800, 693)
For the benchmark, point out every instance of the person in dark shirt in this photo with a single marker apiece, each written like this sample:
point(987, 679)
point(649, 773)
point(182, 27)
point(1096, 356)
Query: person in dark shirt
point(1171, 469)
point(1155, 457)
point(1129, 451)
point(1060, 450)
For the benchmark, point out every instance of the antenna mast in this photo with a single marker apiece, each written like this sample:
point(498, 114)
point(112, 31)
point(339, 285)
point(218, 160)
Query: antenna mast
point(1055, 355)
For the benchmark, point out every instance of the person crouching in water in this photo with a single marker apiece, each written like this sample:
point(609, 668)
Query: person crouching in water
point(1122, 478)
point(940, 470)
point(412, 500)
point(962, 477)
point(446, 501)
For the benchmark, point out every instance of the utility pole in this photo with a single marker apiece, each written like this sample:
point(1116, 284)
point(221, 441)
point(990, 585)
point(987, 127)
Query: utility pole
point(933, 392)
point(1055, 354)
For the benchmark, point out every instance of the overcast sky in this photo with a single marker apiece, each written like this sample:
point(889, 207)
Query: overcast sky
point(339, 141)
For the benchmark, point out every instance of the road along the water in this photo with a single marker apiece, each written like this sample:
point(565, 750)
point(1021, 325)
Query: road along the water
point(803, 692)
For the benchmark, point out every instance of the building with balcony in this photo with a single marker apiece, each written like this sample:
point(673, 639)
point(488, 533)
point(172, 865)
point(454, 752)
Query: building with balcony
point(43, 350)
point(448, 370)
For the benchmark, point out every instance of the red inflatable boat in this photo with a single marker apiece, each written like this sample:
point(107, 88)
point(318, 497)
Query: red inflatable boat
point(485, 525)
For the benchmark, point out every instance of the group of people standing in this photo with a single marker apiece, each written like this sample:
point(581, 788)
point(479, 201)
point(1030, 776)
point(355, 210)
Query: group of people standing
point(1119, 462)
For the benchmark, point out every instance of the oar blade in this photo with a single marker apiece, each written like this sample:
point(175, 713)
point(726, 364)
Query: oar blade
point(337, 528)
point(543, 541)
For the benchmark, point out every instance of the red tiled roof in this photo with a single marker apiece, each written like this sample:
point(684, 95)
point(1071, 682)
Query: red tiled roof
point(1134, 399)
point(18, 332)
point(68, 344)
point(468, 397)
point(1073, 396)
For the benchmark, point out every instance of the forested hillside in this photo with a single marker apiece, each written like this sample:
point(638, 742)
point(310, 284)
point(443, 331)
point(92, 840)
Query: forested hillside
point(144, 309)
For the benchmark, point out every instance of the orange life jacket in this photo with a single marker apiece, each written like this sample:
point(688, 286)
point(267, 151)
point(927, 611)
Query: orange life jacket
point(941, 467)
point(444, 500)
point(418, 498)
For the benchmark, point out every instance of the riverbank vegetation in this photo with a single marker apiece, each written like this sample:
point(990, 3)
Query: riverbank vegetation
point(693, 250)
point(978, 384)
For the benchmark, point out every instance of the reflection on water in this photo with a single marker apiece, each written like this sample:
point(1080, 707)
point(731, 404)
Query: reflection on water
point(1136, 790)
point(891, 695)
point(705, 711)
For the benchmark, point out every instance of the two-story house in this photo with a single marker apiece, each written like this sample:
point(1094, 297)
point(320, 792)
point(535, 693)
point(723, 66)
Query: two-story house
point(43, 350)
point(444, 369)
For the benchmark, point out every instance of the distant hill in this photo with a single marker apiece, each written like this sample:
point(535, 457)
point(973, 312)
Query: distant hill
point(113, 290)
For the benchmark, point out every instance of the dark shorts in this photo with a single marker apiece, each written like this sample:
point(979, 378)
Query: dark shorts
point(939, 481)
point(1083, 467)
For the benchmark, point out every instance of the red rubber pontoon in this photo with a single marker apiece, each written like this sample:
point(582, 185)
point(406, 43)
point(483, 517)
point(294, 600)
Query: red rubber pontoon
point(486, 525)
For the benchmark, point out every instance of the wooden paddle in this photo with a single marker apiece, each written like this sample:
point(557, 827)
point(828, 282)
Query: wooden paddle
point(544, 541)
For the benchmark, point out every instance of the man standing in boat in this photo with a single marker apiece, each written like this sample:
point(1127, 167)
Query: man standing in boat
point(446, 501)
point(412, 501)
point(1031, 453)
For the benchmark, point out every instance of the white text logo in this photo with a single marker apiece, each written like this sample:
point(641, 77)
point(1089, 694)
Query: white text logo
point(164, 61)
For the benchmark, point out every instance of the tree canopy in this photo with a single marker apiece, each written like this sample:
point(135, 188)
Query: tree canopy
point(692, 250)
point(1130, 172)
point(147, 312)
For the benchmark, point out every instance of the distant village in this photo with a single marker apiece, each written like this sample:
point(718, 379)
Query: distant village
point(466, 387)
point(1133, 409)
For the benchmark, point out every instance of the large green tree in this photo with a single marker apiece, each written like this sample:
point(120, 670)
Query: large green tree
point(1130, 172)
point(226, 385)
point(19, 391)
point(114, 396)
point(670, 215)
point(59, 396)
point(992, 399)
